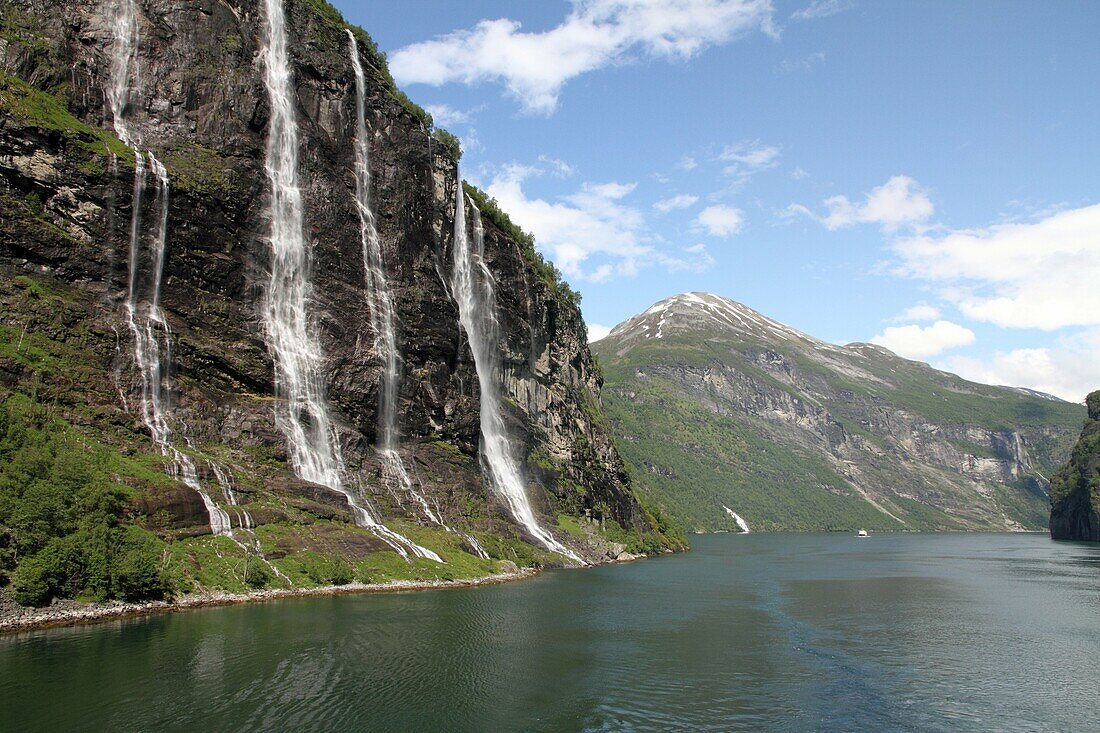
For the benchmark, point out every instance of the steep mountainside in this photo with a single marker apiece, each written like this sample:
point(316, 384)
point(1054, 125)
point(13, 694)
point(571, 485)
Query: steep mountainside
point(148, 312)
point(720, 411)
point(1075, 488)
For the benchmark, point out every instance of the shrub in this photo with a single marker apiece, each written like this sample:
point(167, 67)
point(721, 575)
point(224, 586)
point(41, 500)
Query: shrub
point(340, 572)
point(137, 574)
point(256, 574)
point(59, 515)
point(54, 572)
point(33, 585)
point(448, 142)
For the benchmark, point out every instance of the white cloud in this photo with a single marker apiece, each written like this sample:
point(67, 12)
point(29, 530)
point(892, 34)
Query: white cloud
point(1041, 274)
point(697, 259)
point(747, 158)
point(469, 140)
point(1068, 370)
point(444, 115)
point(593, 192)
point(535, 66)
point(687, 163)
point(822, 9)
point(919, 313)
point(680, 201)
point(591, 234)
point(798, 174)
point(806, 63)
point(591, 222)
point(920, 342)
point(900, 201)
point(559, 168)
point(720, 221)
point(597, 332)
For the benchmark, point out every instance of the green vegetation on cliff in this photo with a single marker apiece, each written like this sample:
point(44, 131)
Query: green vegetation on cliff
point(68, 529)
point(1075, 487)
point(49, 112)
point(62, 499)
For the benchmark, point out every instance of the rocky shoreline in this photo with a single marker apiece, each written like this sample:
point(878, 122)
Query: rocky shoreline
point(15, 618)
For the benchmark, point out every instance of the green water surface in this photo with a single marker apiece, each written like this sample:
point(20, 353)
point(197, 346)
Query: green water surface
point(756, 632)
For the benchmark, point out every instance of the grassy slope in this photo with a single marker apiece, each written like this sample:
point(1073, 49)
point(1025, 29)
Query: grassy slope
point(692, 462)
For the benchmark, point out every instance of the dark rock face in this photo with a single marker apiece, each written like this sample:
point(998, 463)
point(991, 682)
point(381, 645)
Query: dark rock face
point(1075, 488)
point(66, 188)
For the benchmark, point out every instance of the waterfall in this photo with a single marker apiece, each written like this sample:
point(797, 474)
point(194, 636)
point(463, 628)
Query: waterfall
point(383, 319)
point(244, 521)
point(472, 284)
point(301, 413)
point(220, 523)
point(123, 63)
point(741, 523)
point(225, 483)
point(381, 301)
point(143, 313)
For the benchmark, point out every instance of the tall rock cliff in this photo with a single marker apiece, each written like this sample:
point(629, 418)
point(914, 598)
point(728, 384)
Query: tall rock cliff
point(198, 104)
point(1075, 488)
point(723, 411)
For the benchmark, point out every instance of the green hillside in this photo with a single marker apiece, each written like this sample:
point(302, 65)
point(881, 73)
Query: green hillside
point(727, 408)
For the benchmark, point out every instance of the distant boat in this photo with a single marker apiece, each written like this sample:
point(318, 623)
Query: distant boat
point(862, 533)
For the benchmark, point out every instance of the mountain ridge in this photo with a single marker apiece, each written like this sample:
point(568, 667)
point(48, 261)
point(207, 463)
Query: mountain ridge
point(702, 297)
point(843, 427)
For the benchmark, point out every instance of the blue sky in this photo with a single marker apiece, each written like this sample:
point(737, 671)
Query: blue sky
point(922, 174)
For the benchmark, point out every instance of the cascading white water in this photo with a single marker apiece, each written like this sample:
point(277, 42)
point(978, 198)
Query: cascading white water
point(383, 318)
point(220, 523)
point(123, 60)
point(302, 413)
point(472, 284)
point(143, 318)
point(143, 312)
point(225, 483)
point(381, 301)
point(244, 521)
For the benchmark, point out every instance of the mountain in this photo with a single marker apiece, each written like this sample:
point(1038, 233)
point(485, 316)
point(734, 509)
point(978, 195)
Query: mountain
point(1075, 488)
point(722, 412)
point(235, 347)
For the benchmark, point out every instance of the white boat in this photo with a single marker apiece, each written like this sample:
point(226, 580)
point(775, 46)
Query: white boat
point(862, 533)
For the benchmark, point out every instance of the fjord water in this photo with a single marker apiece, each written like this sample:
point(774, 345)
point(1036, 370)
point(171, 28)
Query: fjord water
point(746, 632)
